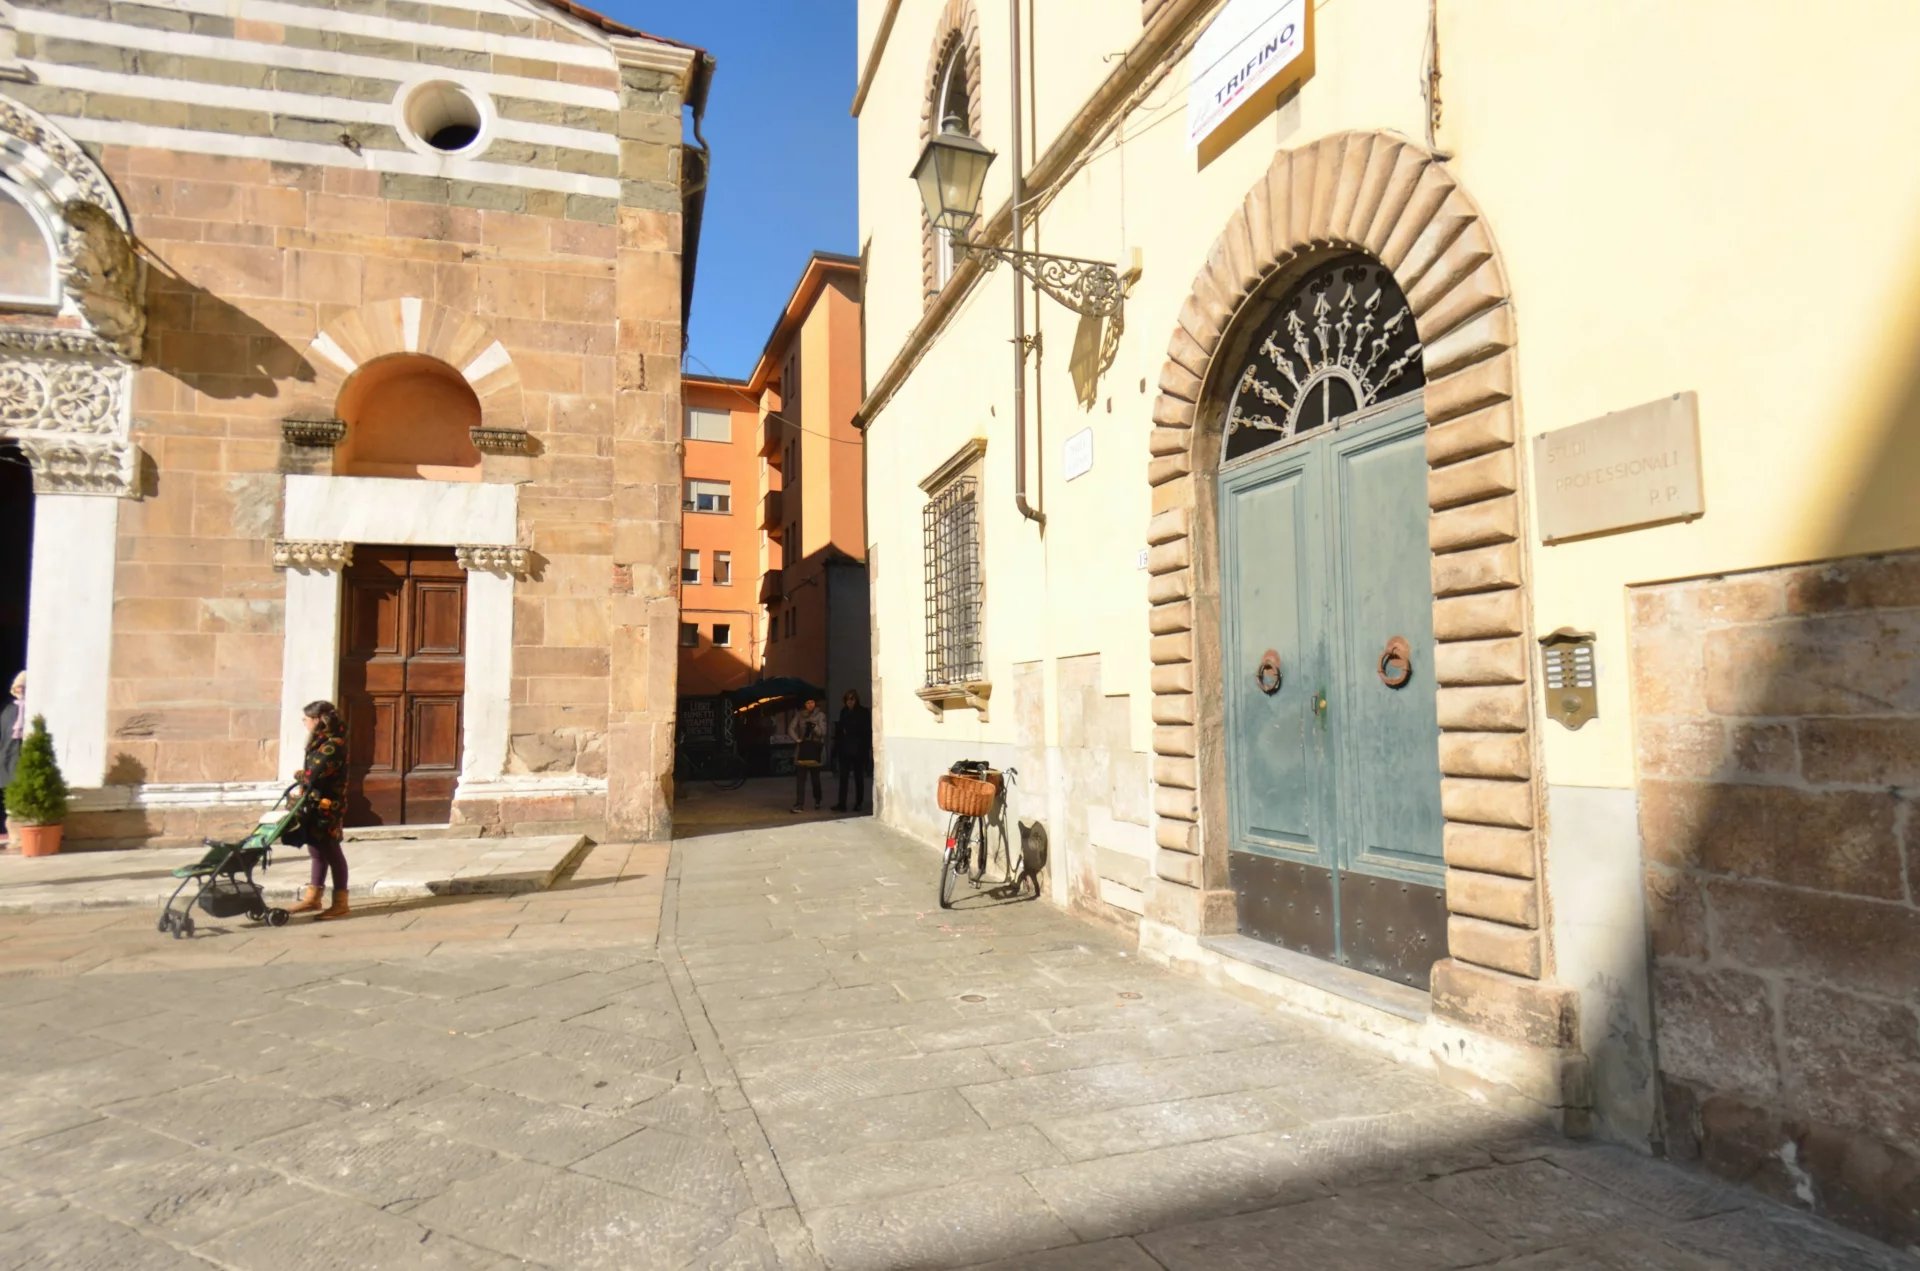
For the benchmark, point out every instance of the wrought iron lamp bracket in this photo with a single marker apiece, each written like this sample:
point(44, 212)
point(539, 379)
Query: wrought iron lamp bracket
point(1089, 287)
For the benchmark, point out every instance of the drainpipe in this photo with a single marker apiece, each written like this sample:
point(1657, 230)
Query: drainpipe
point(1018, 158)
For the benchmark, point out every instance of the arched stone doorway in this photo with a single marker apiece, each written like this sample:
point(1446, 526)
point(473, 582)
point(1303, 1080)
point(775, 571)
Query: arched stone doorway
point(1387, 200)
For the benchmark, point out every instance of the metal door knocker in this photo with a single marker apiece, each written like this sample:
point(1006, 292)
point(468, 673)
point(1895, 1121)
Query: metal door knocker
point(1396, 663)
point(1268, 674)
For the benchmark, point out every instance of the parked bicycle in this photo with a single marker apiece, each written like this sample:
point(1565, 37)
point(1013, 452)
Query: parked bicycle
point(969, 792)
point(694, 761)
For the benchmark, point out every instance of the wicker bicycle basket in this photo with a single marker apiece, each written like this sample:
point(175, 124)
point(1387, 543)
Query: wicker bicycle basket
point(968, 796)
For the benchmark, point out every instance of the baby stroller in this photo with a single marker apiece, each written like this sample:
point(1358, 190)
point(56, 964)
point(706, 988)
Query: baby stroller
point(222, 880)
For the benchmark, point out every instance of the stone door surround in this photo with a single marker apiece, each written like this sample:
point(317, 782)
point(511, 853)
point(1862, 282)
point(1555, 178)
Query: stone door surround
point(1383, 195)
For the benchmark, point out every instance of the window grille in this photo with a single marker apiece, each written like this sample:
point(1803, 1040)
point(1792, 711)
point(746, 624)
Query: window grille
point(953, 585)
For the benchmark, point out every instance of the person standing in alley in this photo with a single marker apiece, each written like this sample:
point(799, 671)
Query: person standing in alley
point(809, 735)
point(853, 751)
point(323, 777)
point(13, 723)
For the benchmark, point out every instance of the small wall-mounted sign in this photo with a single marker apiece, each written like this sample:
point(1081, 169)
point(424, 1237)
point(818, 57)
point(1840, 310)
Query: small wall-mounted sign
point(1252, 51)
point(1566, 667)
point(1078, 457)
point(1634, 467)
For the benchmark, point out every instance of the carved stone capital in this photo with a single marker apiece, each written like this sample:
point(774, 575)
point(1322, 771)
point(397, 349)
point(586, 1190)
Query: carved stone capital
point(500, 441)
point(63, 393)
point(307, 556)
point(312, 430)
point(69, 465)
point(492, 559)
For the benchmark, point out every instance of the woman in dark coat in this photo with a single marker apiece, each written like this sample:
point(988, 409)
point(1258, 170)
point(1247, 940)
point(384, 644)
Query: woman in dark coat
point(323, 777)
point(853, 750)
point(13, 722)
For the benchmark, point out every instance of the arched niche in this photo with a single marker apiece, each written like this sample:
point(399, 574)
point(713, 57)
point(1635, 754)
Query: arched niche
point(408, 415)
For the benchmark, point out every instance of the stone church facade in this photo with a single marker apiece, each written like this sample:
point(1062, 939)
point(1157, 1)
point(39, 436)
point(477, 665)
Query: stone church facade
point(343, 350)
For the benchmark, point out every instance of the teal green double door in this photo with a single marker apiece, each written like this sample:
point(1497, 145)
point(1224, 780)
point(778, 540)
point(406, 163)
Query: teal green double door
point(1332, 734)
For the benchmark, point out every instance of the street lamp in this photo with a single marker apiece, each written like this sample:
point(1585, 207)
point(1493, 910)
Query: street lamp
point(950, 173)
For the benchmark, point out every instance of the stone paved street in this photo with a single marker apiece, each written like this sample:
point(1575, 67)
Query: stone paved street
point(774, 1051)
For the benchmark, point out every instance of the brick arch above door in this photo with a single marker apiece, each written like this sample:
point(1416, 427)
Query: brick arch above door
point(409, 324)
point(1385, 196)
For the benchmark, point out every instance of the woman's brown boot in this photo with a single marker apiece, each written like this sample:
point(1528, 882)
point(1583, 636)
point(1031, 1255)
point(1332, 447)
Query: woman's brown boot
point(338, 909)
point(309, 901)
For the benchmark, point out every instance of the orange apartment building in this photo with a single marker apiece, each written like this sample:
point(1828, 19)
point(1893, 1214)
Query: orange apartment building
point(773, 574)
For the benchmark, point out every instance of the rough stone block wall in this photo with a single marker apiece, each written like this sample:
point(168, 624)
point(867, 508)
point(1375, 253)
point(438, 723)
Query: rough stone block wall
point(1777, 719)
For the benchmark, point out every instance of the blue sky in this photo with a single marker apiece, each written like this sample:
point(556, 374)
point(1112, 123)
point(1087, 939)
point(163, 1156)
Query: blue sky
point(783, 156)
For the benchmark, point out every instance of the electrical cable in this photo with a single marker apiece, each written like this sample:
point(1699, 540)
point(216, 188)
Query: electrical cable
point(735, 390)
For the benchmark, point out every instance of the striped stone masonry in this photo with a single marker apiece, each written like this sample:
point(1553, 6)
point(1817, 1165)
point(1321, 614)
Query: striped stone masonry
point(1389, 198)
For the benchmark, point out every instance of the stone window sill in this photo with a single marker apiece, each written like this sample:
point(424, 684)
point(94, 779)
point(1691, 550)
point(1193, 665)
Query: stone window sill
point(941, 698)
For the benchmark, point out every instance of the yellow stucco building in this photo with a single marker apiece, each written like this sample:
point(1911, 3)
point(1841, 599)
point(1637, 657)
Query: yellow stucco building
point(1360, 315)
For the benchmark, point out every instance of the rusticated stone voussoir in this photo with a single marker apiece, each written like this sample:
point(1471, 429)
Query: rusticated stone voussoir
point(1389, 197)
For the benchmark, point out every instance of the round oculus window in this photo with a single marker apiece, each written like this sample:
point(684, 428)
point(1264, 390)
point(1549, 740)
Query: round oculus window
point(447, 117)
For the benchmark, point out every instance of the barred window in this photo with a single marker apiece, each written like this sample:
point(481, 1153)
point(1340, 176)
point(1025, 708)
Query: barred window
point(953, 585)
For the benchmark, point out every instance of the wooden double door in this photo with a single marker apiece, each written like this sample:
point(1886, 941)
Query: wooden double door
point(402, 676)
point(1331, 718)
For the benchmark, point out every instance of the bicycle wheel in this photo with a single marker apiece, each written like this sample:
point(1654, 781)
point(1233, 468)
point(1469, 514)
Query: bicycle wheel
point(954, 859)
point(729, 771)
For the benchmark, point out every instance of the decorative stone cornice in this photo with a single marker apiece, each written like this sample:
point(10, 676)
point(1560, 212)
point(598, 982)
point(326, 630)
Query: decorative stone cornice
point(312, 430)
point(306, 555)
point(500, 441)
point(492, 558)
point(646, 54)
point(24, 339)
point(68, 465)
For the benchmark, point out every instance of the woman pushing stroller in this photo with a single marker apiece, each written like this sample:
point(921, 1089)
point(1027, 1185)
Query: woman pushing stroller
point(323, 778)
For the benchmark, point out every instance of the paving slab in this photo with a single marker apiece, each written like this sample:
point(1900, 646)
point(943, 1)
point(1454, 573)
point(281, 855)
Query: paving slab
point(384, 869)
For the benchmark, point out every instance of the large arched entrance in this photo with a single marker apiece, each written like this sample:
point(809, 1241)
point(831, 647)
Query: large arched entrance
point(1390, 203)
point(1332, 767)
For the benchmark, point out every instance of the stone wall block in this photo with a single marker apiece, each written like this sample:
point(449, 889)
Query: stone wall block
point(1173, 708)
point(1173, 770)
point(1515, 950)
point(1175, 379)
point(1878, 752)
point(1175, 493)
point(1169, 441)
point(1761, 669)
point(1472, 341)
point(1177, 836)
point(1501, 709)
point(1686, 747)
point(1495, 567)
point(1164, 527)
point(1187, 352)
point(1479, 616)
point(1257, 217)
point(1397, 189)
point(1717, 1027)
point(1202, 322)
point(1167, 467)
point(1176, 739)
point(1430, 194)
point(1452, 246)
point(1475, 662)
point(1172, 412)
point(1478, 292)
point(1176, 804)
point(1329, 161)
point(1355, 161)
point(1178, 868)
point(1306, 167)
point(1474, 525)
point(1168, 649)
point(1382, 155)
point(1521, 1010)
point(1865, 946)
point(1501, 756)
point(1231, 260)
point(1170, 556)
point(1173, 677)
point(1825, 840)
point(1490, 849)
point(1472, 480)
point(1168, 619)
point(1166, 588)
point(1279, 183)
point(1479, 802)
point(1470, 388)
point(1495, 897)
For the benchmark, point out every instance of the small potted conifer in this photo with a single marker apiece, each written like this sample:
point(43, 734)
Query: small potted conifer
point(37, 795)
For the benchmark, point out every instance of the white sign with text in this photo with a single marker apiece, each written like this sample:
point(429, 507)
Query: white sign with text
point(1243, 50)
point(1078, 459)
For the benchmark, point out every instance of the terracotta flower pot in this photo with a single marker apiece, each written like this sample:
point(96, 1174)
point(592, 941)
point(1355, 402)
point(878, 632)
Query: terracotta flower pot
point(37, 840)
